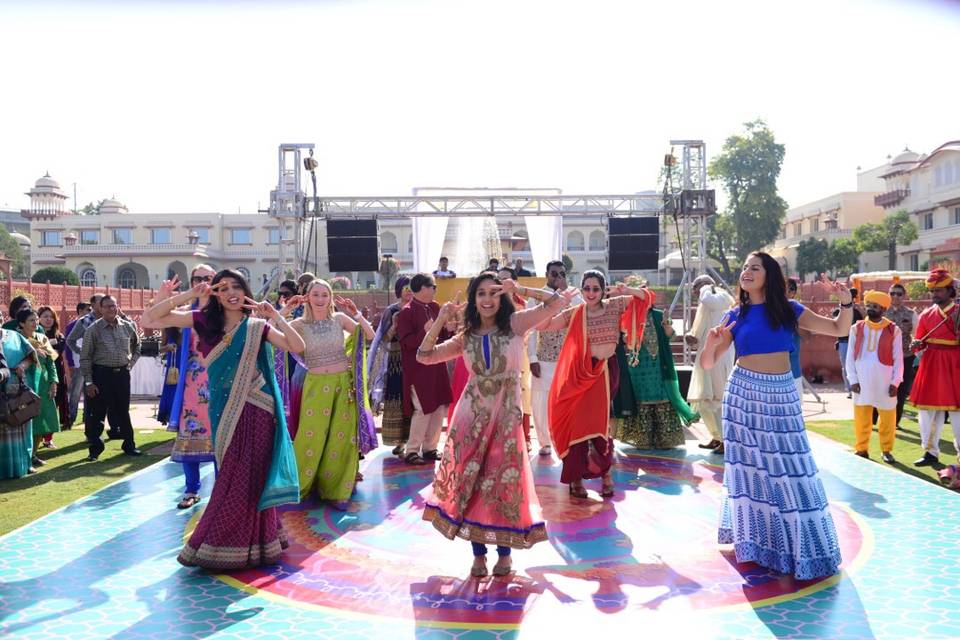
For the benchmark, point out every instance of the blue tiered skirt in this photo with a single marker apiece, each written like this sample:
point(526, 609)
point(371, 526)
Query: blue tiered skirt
point(775, 511)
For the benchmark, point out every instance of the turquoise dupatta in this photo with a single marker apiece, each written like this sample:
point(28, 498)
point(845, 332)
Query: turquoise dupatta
point(240, 371)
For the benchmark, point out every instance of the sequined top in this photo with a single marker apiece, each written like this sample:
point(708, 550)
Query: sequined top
point(324, 344)
point(604, 328)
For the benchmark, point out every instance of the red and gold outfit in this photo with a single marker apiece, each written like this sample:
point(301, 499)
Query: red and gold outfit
point(937, 385)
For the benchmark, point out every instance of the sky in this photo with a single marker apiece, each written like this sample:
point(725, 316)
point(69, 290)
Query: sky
point(180, 106)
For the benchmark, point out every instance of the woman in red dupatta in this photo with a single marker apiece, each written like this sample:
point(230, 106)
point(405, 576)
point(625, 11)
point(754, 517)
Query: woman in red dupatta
point(587, 377)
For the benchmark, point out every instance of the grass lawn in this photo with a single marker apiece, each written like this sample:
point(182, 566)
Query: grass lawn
point(906, 448)
point(66, 478)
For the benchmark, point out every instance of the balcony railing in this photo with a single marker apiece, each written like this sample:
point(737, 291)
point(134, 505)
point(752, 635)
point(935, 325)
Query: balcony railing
point(891, 198)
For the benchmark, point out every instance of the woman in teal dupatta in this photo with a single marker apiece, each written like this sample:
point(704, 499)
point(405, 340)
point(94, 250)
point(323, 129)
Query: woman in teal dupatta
point(649, 400)
point(240, 528)
point(16, 443)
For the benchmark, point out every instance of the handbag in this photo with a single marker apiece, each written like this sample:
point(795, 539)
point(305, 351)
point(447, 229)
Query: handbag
point(20, 407)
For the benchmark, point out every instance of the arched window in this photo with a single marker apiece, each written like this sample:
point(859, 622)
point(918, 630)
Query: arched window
point(574, 241)
point(597, 240)
point(388, 242)
point(245, 273)
point(88, 277)
point(126, 279)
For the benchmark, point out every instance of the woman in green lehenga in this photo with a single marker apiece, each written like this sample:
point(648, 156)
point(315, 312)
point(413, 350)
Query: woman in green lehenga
point(653, 412)
point(16, 443)
point(41, 378)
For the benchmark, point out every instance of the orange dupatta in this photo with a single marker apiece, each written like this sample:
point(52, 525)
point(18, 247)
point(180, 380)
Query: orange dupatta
point(579, 401)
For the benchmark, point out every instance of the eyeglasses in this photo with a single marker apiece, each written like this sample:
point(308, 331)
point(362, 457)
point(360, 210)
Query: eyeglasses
point(201, 279)
point(558, 274)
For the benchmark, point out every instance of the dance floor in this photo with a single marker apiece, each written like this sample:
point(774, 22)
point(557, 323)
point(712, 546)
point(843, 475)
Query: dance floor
point(644, 563)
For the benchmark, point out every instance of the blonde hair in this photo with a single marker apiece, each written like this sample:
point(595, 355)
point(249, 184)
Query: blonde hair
point(202, 265)
point(307, 307)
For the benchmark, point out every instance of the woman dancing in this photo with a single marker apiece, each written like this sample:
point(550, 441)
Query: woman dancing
point(336, 427)
point(775, 511)
point(484, 490)
point(385, 374)
point(190, 405)
point(240, 527)
point(588, 376)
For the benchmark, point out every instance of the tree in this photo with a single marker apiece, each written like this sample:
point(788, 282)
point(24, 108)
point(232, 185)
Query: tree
point(843, 256)
point(91, 209)
point(748, 168)
point(567, 263)
point(895, 230)
point(55, 275)
point(813, 256)
point(388, 270)
point(12, 249)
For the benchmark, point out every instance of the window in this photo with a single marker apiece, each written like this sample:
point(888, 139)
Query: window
point(597, 241)
point(915, 262)
point(928, 221)
point(88, 277)
point(203, 234)
point(160, 236)
point(240, 236)
point(49, 238)
point(388, 242)
point(948, 173)
point(123, 236)
point(90, 236)
point(244, 272)
point(127, 279)
point(575, 241)
point(410, 243)
point(797, 230)
point(956, 215)
point(273, 235)
point(815, 225)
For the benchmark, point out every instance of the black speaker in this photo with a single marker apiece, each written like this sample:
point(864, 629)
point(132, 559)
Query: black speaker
point(353, 245)
point(634, 243)
point(693, 201)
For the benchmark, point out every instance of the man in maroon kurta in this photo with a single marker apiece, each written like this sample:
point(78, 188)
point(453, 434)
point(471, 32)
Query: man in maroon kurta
point(426, 388)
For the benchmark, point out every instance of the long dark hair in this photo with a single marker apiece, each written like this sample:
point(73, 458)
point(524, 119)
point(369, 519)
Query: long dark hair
point(471, 316)
point(213, 315)
point(593, 273)
point(54, 331)
point(779, 311)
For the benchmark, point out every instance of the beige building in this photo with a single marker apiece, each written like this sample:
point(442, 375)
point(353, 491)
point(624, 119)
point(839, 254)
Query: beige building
point(830, 219)
point(927, 187)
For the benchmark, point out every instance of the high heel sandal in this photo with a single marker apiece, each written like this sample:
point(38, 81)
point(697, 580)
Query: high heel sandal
point(479, 570)
point(577, 491)
point(606, 488)
point(503, 567)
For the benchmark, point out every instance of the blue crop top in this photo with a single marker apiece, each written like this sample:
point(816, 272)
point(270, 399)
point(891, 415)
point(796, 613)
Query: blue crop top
point(753, 334)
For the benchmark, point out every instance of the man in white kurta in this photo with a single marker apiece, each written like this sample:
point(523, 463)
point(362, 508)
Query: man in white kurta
point(543, 349)
point(875, 370)
point(706, 387)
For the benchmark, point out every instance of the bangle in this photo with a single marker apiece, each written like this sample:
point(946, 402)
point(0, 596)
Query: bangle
point(358, 317)
point(848, 305)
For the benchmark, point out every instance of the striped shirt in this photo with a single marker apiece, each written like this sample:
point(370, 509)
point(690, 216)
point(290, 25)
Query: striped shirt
point(109, 345)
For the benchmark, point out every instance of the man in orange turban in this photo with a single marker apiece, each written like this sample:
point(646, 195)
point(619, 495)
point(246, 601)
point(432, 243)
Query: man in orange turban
point(875, 370)
point(936, 389)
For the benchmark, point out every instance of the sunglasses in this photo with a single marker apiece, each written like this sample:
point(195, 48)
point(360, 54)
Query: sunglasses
point(432, 286)
point(201, 279)
point(557, 274)
point(286, 294)
point(591, 289)
point(896, 293)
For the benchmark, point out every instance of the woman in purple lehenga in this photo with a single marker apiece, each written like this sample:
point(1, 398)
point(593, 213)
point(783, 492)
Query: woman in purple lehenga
point(240, 528)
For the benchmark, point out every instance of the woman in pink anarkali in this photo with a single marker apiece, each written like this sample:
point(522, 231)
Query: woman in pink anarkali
point(483, 490)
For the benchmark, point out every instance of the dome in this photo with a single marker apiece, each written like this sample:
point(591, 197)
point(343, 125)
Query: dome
point(47, 182)
point(112, 206)
point(21, 239)
point(906, 157)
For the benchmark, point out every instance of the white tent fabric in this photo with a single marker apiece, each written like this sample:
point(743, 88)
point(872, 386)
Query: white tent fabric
point(428, 236)
point(546, 240)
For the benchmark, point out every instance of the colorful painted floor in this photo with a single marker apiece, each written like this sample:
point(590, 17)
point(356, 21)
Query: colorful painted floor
point(105, 567)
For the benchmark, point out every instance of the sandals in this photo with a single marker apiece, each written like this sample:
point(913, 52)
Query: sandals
point(414, 458)
point(398, 450)
point(359, 477)
point(187, 502)
point(503, 568)
point(718, 450)
point(577, 491)
point(606, 489)
point(479, 568)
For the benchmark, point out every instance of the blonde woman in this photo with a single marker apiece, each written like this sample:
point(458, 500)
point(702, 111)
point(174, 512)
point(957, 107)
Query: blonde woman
point(335, 422)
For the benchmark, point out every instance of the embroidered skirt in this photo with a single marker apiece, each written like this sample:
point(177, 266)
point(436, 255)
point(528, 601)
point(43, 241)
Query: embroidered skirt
point(775, 510)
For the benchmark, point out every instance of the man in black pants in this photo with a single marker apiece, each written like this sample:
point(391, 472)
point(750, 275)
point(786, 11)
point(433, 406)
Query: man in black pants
point(906, 319)
point(111, 346)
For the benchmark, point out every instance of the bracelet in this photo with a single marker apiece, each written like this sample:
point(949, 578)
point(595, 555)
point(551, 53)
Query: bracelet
point(849, 305)
point(358, 317)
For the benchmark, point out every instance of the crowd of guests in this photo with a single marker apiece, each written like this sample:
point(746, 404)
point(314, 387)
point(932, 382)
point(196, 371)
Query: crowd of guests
point(281, 397)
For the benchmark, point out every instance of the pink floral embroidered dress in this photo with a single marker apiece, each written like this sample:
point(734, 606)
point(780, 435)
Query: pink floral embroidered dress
point(483, 490)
